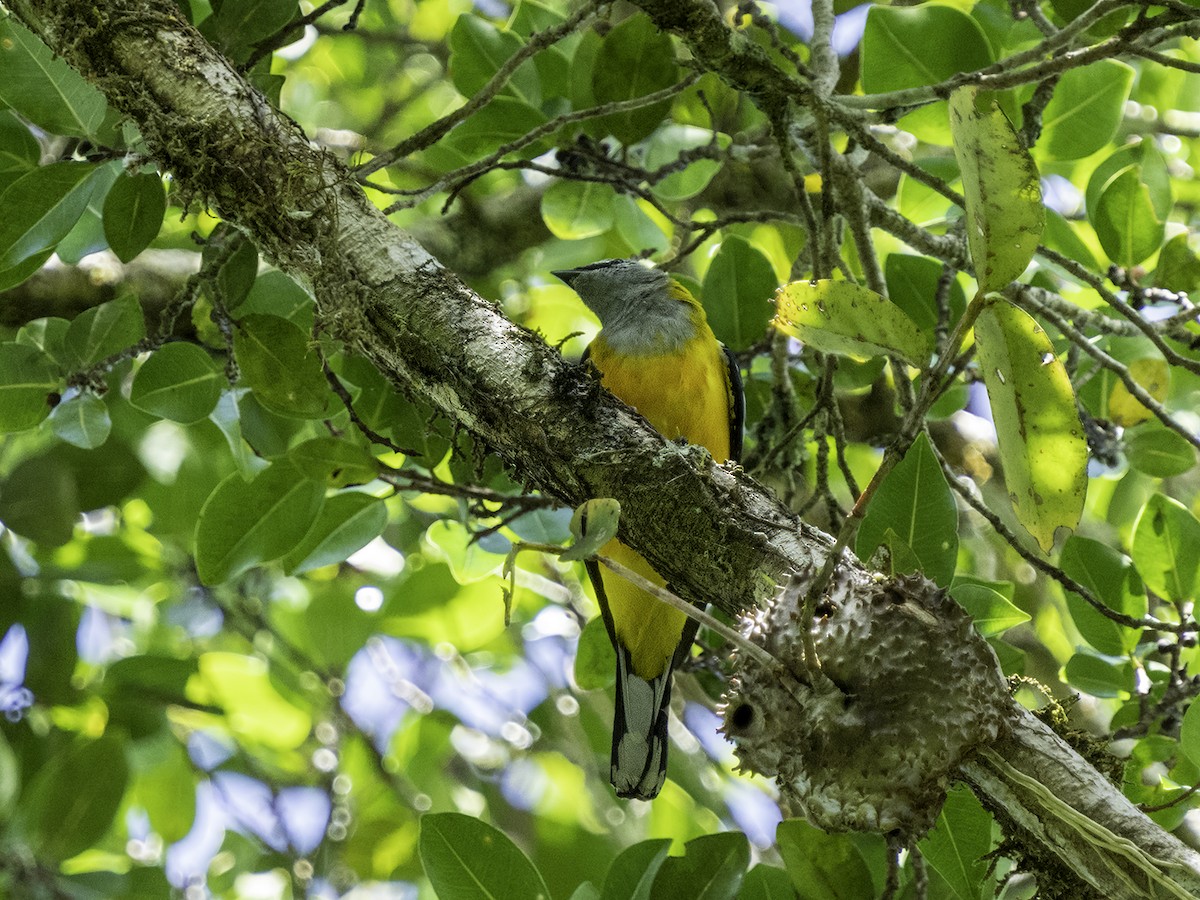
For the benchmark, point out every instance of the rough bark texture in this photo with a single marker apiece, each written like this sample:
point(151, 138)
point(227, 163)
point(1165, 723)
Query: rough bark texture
point(713, 532)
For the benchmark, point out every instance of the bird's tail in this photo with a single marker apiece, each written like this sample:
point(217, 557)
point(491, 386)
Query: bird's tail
point(639, 746)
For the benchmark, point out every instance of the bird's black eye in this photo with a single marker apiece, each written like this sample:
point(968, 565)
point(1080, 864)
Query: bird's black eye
point(742, 717)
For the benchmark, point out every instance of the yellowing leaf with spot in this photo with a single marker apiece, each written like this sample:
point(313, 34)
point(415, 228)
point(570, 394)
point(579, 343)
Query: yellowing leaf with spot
point(1041, 441)
point(843, 317)
point(1153, 374)
point(255, 711)
point(1003, 195)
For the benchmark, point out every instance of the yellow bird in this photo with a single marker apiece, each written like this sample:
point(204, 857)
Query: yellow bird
point(657, 353)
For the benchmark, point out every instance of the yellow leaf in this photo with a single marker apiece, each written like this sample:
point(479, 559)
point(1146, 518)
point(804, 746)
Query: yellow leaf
point(1154, 375)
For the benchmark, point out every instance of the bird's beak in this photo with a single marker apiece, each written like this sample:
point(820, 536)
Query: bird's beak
point(566, 275)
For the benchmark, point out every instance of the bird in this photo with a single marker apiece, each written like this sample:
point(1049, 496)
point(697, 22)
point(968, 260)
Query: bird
point(656, 352)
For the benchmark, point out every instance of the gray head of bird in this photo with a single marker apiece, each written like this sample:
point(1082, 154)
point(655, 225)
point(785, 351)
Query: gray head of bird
point(638, 305)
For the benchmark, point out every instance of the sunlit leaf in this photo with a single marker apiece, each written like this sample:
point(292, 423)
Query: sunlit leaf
point(1000, 183)
point(843, 317)
point(1154, 376)
point(1041, 440)
point(593, 525)
point(255, 710)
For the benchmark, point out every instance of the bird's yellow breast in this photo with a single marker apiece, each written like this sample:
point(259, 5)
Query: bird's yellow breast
point(683, 394)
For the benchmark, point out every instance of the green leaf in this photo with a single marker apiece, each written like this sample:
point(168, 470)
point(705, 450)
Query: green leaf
point(47, 334)
point(712, 868)
point(1166, 548)
point(907, 47)
point(1003, 195)
point(992, 612)
point(82, 420)
point(467, 859)
point(595, 659)
point(43, 88)
point(593, 525)
point(1099, 677)
point(452, 542)
point(912, 285)
point(767, 883)
point(631, 875)
point(577, 209)
point(19, 149)
point(72, 800)
point(1178, 267)
point(1126, 223)
point(737, 292)
point(165, 786)
point(1158, 451)
point(502, 120)
point(477, 51)
point(255, 711)
point(1152, 172)
point(1041, 441)
point(280, 367)
point(916, 502)
point(958, 842)
point(346, 523)
point(133, 214)
point(334, 461)
point(665, 147)
point(239, 24)
point(40, 500)
point(899, 559)
point(635, 59)
point(242, 525)
point(238, 276)
point(27, 378)
point(1189, 734)
point(823, 866)
point(87, 234)
point(179, 382)
point(103, 330)
point(637, 229)
point(846, 318)
point(40, 208)
point(1110, 577)
point(1087, 106)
